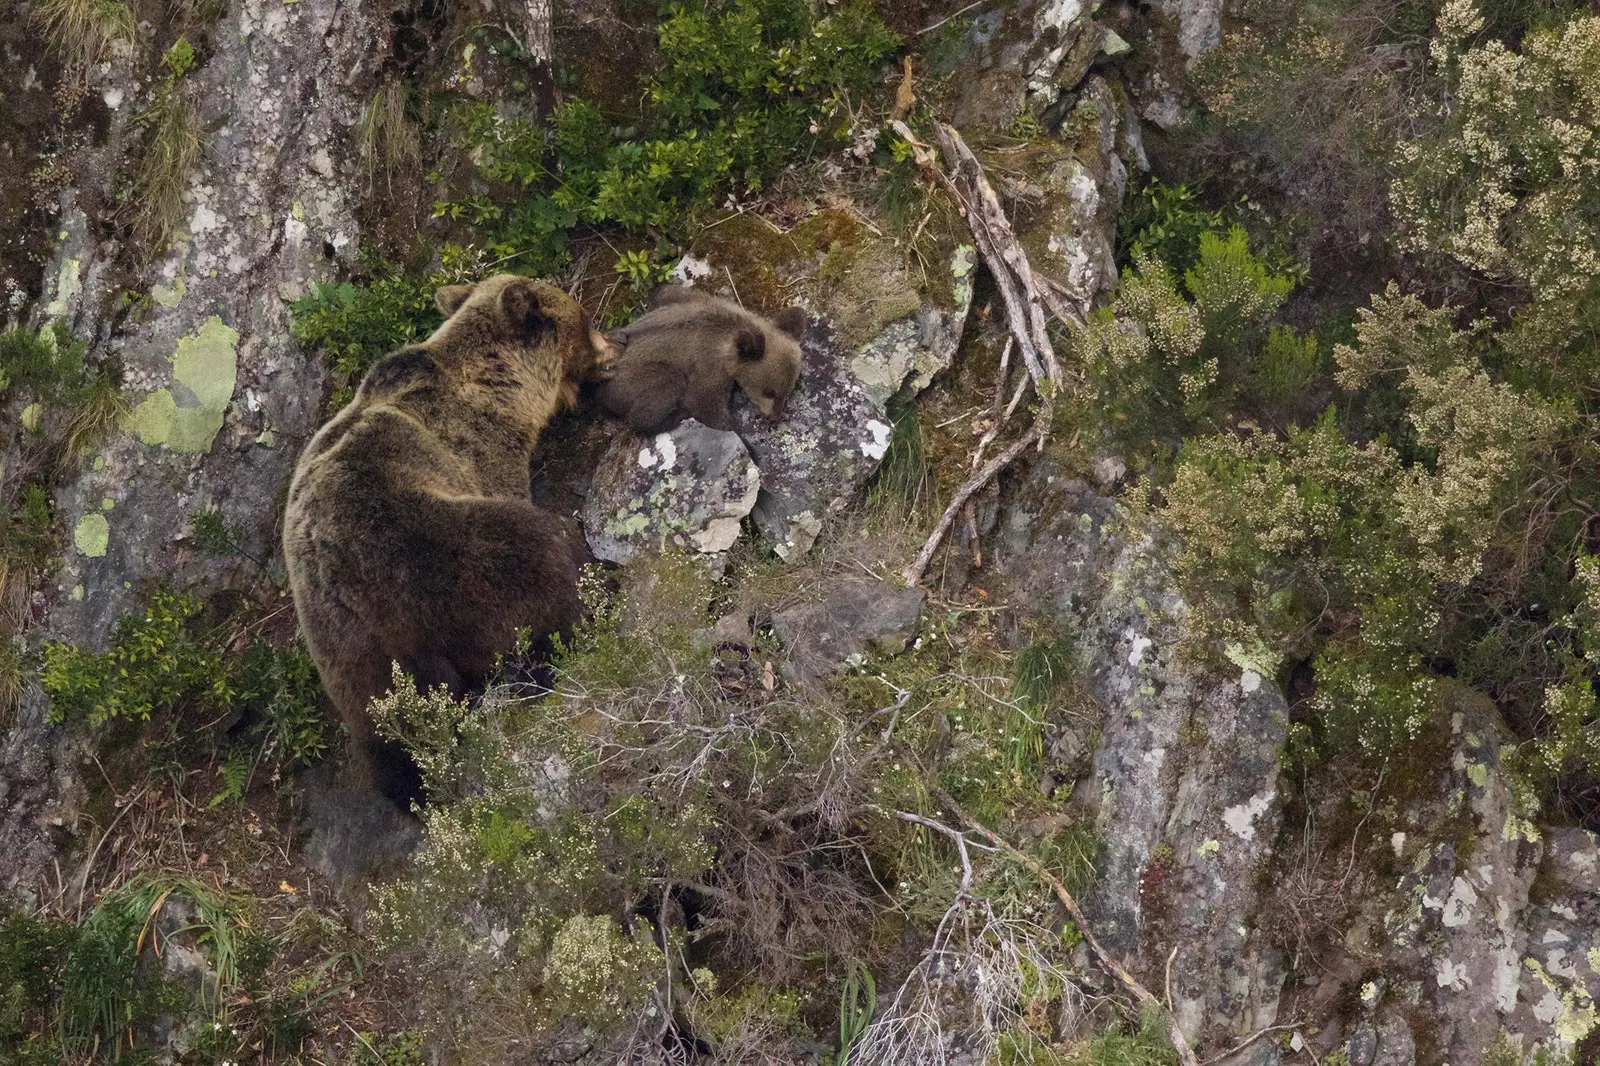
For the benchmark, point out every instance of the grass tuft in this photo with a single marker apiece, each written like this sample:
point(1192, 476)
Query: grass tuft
point(80, 32)
point(390, 140)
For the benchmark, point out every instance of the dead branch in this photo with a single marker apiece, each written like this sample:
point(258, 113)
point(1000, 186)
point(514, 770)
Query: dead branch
point(1024, 301)
point(1186, 1054)
point(914, 572)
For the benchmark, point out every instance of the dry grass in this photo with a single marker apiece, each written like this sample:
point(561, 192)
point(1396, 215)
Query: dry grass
point(390, 140)
point(81, 32)
point(162, 176)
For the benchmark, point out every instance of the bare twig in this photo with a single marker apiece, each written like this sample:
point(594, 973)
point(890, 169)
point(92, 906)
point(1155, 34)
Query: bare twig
point(1186, 1054)
point(1251, 1039)
point(914, 572)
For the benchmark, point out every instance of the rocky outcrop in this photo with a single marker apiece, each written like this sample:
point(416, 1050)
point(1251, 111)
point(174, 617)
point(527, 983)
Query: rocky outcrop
point(688, 489)
point(858, 617)
point(221, 397)
point(1457, 924)
point(1184, 780)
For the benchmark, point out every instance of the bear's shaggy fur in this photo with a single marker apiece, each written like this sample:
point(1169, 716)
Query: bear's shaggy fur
point(409, 534)
point(682, 359)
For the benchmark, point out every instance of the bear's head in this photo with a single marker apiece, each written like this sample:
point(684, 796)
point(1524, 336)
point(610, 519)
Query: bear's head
point(529, 320)
point(767, 361)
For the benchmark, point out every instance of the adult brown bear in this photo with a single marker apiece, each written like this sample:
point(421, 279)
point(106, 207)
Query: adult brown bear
point(409, 534)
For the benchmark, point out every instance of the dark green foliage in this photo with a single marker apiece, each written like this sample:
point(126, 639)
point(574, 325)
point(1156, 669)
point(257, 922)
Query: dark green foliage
point(210, 533)
point(282, 690)
point(745, 87)
point(47, 364)
point(155, 662)
point(1163, 222)
point(33, 954)
point(167, 660)
point(353, 327)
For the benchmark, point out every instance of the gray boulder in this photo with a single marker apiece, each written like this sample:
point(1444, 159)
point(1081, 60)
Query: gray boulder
point(688, 489)
point(827, 446)
point(860, 615)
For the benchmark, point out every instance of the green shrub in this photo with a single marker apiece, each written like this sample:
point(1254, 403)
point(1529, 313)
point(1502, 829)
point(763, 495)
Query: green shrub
point(745, 87)
point(353, 327)
point(1163, 222)
point(155, 662)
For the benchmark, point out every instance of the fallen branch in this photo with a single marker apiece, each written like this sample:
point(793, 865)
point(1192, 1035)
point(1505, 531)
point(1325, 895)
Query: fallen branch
point(913, 573)
point(1144, 996)
point(1025, 310)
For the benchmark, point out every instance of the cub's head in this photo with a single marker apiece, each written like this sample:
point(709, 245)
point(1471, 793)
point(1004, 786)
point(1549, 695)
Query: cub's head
point(767, 361)
point(535, 320)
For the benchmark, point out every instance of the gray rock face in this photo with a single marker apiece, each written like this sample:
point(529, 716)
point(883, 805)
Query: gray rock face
point(859, 615)
point(1186, 799)
point(688, 489)
point(222, 396)
point(1466, 934)
point(1199, 24)
point(1186, 771)
point(1025, 54)
point(829, 442)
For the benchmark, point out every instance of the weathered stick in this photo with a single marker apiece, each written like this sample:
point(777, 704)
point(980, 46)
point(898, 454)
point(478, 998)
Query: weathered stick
point(914, 572)
point(1138, 991)
point(1003, 241)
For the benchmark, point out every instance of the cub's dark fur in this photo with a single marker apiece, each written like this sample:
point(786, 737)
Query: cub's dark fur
point(409, 535)
point(682, 359)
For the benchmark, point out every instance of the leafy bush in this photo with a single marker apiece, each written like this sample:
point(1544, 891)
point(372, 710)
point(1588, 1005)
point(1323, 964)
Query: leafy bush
point(745, 87)
point(166, 660)
point(1160, 363)
point(155, 662)
point(353, 327)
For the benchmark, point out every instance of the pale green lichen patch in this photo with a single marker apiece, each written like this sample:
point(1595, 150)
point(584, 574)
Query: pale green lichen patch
point(152, 419)
point(69, 286)
point(107, 503)
point(1478, 774)
point(188, 417)
point(92, 535)
point(30, 417)
point(1571, 1011)
point(170, 296)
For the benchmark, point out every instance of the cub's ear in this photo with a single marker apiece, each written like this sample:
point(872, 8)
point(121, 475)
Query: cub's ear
point(669, 293)
point(449, 298)
point(793, 321)
point(750, 344)
point(519, 303)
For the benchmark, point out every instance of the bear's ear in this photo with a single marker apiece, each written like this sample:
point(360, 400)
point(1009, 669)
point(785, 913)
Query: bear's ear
point(449, 298)
point(669, 293)
point(750, 345)
point(519, 303)
point(793, 321)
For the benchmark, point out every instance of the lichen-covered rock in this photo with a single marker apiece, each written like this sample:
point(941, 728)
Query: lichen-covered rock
point(220, 393)
point(859, 615)
point(1025, 54)
point(1067, 194)
point(1465, 934)
point(1199, 24)
point(688, 489)
point(1185, 776)
point(832, 438)
point(903, 357)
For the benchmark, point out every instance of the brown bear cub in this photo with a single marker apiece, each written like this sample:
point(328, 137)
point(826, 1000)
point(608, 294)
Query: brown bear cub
point(682, 359)
point(409, 534)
